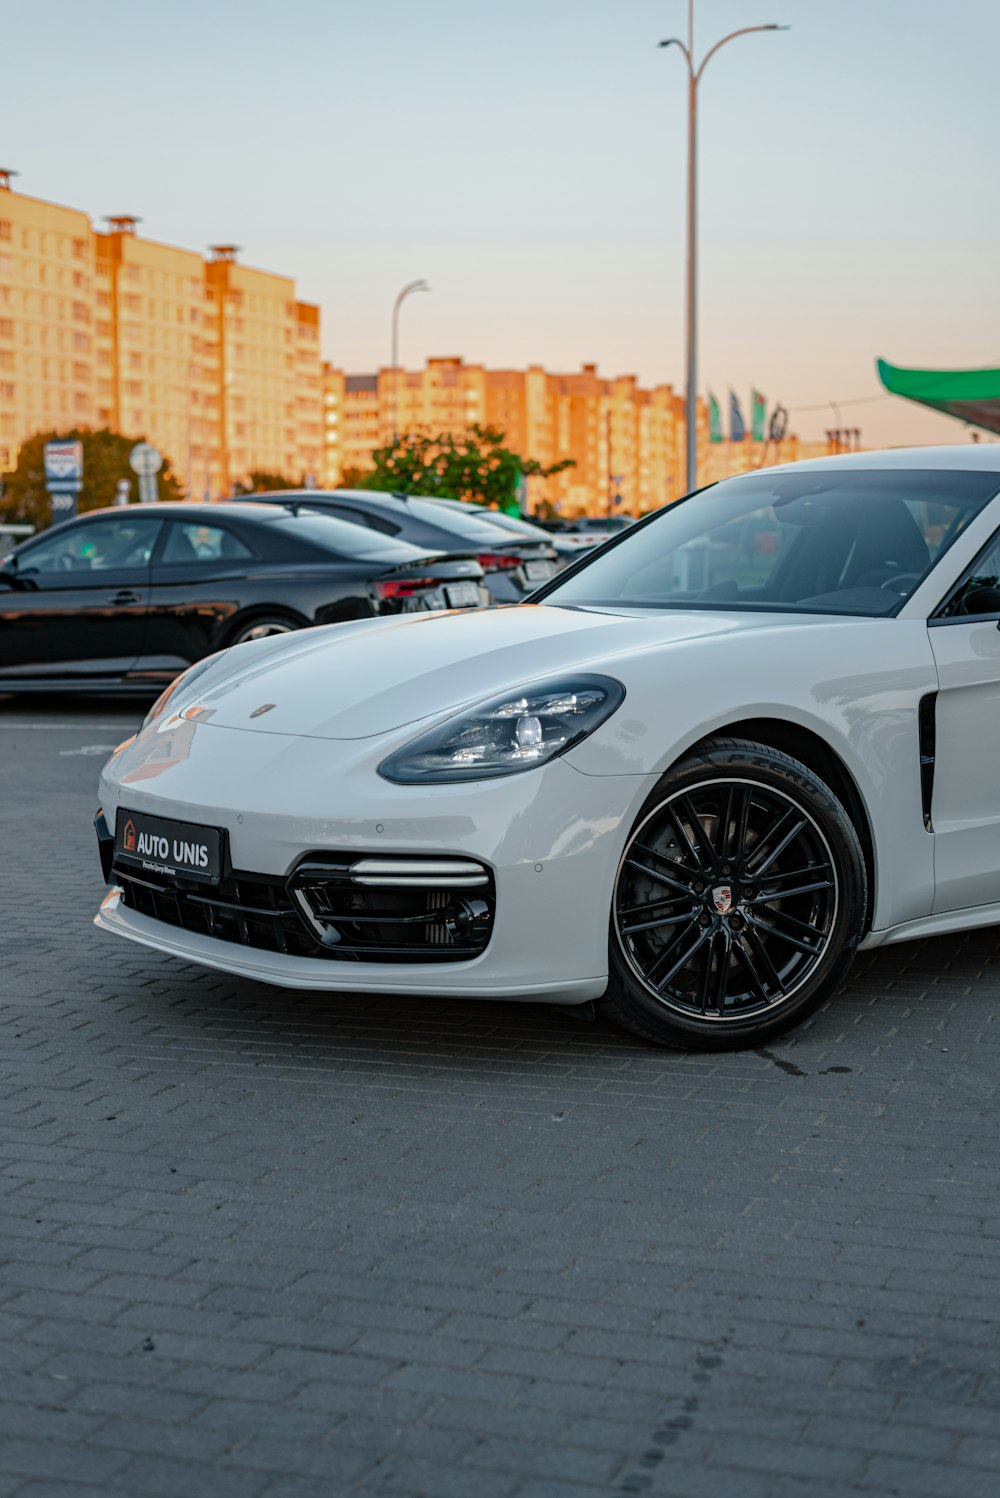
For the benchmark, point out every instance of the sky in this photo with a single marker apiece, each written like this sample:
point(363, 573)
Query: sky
point(527, 157)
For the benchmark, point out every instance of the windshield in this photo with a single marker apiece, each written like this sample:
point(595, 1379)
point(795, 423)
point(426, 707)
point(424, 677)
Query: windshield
point(848, 541)
point(340, 538)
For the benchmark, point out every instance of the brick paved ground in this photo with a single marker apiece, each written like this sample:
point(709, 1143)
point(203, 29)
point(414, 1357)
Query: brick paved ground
point(254, 1243)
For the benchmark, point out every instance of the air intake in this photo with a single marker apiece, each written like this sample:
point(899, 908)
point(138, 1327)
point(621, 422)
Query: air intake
point(399, 909)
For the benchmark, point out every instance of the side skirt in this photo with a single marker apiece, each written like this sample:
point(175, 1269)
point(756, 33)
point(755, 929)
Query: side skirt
point(968, 919)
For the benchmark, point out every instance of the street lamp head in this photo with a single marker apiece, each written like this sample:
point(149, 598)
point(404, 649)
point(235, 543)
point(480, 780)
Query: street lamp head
point(671, 41)
point(412, 286)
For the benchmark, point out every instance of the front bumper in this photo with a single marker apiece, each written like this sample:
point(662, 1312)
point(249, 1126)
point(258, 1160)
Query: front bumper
point(311, 973)
point(551, 838)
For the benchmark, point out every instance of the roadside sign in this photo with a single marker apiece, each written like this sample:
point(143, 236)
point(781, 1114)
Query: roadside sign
point(123, 489)
point(63, 463)
point(63, 477)
point(144, 459)
point(63, 504)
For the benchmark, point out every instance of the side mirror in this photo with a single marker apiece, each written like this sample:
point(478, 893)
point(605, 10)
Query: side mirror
point(8, 567)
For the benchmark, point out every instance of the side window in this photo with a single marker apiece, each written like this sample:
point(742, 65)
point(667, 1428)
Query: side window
point(206, 544)
point(979, 590)
point(97, 546)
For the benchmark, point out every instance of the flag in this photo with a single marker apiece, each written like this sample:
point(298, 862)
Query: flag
point(758, 406)
point(737, 427)
point(714, 419)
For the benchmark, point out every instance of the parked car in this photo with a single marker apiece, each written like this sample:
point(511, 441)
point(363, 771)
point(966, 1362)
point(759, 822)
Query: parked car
point(12, 535)
point(513, 566)
point(688, 790)
point(592, 531)
point(600, 525)
point(130, 597)
point(567, 545)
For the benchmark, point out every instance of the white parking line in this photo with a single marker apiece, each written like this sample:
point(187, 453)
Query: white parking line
point(87, 749)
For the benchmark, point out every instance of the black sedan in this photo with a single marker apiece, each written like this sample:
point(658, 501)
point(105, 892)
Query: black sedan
point(127, 598)
point(567, 545)
point(514, 564)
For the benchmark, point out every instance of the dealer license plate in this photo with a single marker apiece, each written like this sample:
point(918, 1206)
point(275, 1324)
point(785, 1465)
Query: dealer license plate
point(462, 595)
point(162, 846)
point(537, 572)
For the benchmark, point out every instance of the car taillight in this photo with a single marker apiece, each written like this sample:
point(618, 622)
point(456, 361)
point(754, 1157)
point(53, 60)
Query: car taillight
point(497, 561)
point(405, 587)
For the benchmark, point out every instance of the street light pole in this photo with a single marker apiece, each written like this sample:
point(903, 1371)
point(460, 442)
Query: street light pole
point(407, 290)
point(694, 78)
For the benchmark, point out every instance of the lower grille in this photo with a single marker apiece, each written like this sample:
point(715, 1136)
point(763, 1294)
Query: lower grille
point(337, 907)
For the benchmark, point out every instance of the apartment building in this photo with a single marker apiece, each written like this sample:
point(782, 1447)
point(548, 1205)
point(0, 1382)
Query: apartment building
point(627, 443)
point(214, 362)
point(219, 365)
point(150, 331)
point(47, 355)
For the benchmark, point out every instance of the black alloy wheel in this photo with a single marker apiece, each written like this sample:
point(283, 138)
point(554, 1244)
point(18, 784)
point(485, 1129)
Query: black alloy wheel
point(739, 901)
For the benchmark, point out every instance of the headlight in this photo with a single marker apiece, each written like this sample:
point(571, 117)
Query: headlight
point(514, 732)
point(186, 679)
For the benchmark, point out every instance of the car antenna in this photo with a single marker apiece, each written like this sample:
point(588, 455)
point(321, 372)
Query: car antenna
point(402, 494)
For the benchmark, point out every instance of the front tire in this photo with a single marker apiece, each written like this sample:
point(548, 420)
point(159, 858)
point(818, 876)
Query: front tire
point(738, 904)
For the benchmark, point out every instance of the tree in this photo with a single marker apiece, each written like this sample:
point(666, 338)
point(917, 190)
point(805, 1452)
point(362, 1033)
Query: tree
point(259, 481)
point(352, 478)
point(105, 461)
point(473, 466)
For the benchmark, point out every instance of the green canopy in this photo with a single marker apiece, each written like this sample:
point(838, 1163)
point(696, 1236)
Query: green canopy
point(973, 395)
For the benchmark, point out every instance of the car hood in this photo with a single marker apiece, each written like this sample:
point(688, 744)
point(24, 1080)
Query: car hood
point(353, 681)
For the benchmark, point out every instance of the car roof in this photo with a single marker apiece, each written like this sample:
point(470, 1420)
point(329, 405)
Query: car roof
point(370, 496)
point(182, 509)
point(971, 456)
point(396, 505)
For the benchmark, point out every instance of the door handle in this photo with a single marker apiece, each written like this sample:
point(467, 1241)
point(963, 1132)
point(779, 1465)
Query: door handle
point(126, 595)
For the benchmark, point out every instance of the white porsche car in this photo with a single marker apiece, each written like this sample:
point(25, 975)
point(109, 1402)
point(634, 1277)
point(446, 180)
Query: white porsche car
point(686, 780)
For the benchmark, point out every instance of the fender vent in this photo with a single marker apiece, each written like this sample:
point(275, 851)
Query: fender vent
point(927, 736)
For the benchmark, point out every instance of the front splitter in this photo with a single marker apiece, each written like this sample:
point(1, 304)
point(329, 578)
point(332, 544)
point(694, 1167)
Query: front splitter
point(430, 980)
